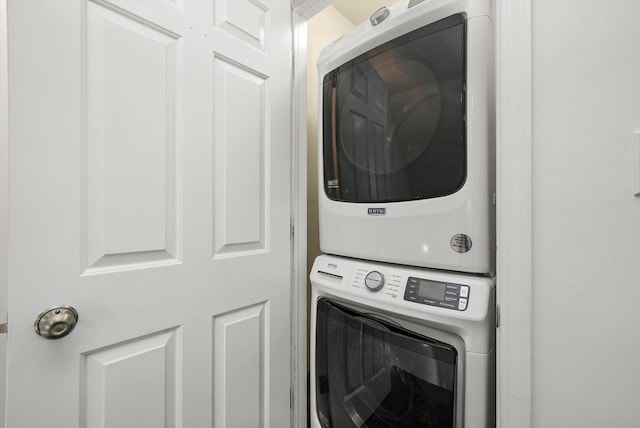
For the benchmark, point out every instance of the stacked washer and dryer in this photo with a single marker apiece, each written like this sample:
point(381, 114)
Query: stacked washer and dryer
point(403, 301)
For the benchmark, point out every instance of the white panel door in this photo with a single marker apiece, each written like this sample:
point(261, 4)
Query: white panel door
point(149, 168)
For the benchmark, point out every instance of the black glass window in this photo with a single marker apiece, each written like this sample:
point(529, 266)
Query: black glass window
point(394, 119)
point(373, 374)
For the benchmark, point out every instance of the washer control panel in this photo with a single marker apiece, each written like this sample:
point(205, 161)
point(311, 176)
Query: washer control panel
point(403, 288)
point(437, 293)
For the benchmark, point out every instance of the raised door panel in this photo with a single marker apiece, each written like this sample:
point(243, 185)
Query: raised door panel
point(134, 384)
point(130, 150)
point(246, 20)
point(241, 367)
point(241, 148)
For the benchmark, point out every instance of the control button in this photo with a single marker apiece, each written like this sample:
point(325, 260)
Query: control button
point(379, 16)
point(374, 280)
point(462, 304)
point(464, 291)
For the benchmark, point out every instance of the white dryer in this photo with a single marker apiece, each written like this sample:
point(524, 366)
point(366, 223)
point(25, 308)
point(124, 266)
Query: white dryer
point(393, 346)
point(406, 142)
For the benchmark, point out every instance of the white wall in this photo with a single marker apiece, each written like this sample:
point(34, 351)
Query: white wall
point(586, 222)
point(322, 29)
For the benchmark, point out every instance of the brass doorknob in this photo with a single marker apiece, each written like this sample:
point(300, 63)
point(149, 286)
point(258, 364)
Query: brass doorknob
point(56, 323)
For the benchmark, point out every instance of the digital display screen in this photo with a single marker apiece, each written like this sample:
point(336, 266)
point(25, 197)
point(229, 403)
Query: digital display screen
point(431, 290)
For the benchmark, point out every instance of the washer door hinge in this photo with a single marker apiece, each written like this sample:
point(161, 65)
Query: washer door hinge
point(292, 229)
point(4, 328)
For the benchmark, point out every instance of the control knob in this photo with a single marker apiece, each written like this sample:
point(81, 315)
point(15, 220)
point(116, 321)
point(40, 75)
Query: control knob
point(374, 280)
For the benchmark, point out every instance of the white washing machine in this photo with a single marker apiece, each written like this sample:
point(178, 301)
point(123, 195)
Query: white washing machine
point(394, 346)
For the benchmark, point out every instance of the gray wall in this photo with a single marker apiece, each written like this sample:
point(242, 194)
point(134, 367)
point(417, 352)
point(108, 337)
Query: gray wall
point(586, 222)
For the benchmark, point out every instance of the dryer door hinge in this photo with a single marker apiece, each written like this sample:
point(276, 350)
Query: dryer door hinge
point(4, 328)
point(497, 316)
point(292, 229)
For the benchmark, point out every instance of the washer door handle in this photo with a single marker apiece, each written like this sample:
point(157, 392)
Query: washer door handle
point(371, 322)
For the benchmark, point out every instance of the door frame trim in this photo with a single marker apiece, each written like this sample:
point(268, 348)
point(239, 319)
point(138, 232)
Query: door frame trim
point(299, 219)
point(302, 11)
point(514, 171)
point(4, 205)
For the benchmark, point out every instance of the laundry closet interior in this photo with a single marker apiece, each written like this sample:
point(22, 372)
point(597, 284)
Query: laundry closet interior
point(401, 184)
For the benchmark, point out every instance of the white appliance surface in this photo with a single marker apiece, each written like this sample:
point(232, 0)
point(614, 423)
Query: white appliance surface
point(468, 323)
point(426, 232)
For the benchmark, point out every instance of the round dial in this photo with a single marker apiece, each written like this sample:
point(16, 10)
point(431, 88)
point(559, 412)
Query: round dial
point(374, 280)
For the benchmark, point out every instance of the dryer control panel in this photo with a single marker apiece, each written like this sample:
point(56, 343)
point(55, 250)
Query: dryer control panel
point(437, 293)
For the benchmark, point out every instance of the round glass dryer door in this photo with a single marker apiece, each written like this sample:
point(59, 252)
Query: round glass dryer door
point(394, 119)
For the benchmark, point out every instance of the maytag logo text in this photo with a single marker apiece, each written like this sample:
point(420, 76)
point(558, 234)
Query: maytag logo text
point(377, 211)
